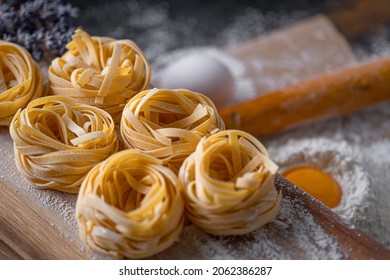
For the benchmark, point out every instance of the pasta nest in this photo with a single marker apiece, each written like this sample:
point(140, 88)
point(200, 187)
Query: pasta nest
point(57, 141)
point(20, 80)
point(229, 184)
point(100, 71)
point(168, 124)
point(130, 206)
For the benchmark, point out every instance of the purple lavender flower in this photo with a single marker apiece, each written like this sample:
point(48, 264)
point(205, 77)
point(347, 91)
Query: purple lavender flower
point(41, 26)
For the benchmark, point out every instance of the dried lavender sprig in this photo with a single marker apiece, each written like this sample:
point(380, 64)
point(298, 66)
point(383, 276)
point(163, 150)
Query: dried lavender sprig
point(40, 26)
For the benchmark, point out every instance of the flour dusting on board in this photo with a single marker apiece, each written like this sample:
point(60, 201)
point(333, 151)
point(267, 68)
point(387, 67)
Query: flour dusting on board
point(378, 165)
point(61, 205)
point(293, 225)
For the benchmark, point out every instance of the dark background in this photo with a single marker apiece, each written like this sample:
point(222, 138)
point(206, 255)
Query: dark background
point(365, 23)
point(216, 7)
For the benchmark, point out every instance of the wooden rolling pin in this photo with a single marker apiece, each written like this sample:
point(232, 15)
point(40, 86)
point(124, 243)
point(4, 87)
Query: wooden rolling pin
point(324, 96)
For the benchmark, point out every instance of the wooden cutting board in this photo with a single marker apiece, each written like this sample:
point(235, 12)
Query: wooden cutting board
point(291, 54)
point(40, 224)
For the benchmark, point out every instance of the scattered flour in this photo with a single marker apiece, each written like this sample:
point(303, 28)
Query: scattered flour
point(61, 205)
point(376, 45)
point(377, 156)
point(293, 225)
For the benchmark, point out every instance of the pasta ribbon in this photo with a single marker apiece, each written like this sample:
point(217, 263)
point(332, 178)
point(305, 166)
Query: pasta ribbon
point(100, 71)
point(229, 184)
point(58, 140)
point(20, 80)
point(168, 124)
point(130, 206)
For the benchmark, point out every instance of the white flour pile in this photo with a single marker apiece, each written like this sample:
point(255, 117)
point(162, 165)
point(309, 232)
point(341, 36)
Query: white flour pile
point(344, 164)
point(361, 143)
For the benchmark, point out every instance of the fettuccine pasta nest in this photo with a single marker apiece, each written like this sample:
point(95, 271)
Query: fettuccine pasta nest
point(168, 124)
point(20, 80)
point(130, 206)
point(58, 140)
point(229, 184)
point(100, 71)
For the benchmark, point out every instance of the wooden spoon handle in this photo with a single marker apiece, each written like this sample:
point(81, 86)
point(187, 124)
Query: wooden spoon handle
point(324, 96)
point(352, 243)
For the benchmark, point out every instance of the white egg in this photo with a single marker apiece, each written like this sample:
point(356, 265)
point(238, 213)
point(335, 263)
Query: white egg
point(200, 73)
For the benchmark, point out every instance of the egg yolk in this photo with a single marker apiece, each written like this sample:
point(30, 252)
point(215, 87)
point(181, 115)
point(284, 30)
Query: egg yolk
point(317, 183)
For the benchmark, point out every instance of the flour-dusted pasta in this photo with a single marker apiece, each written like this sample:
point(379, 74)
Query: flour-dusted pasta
point(228, 184)
point(20, 80)
point(168, 124)
point(58, 140)
point(130, 206)
point(100, 71)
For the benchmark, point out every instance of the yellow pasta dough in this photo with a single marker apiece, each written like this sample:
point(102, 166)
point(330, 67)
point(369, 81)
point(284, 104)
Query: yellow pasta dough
point(57, 141)
point(229, 184)
point(130, 206)
point(20, 80)
point(100, 71)
point(168, 124)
